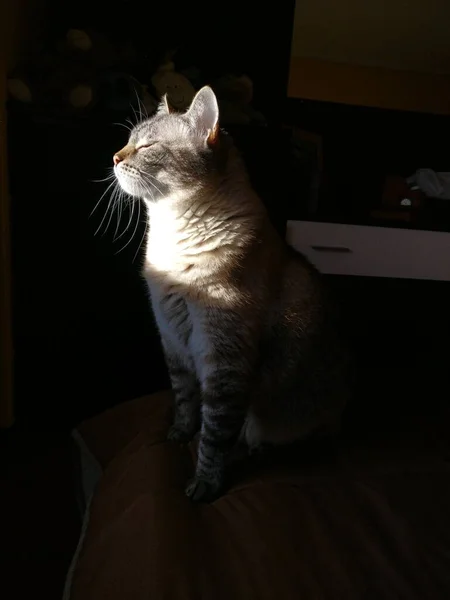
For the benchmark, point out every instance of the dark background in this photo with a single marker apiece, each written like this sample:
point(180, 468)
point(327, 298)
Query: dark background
point(83, 333)
point(84, 336)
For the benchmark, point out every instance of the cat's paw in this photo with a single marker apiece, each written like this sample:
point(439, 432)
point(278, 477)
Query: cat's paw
point(203, 490)
point(180, 435)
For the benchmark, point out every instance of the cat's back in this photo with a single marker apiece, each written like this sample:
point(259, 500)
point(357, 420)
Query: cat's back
point(303, 366)
point(302, 301)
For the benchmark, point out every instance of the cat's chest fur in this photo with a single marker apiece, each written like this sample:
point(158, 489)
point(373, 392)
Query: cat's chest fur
point(182, 264)
point(176, 242)
point(172, 316)
point(179, 323)
point(161, 265)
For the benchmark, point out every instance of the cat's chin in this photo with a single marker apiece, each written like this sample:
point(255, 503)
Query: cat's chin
point(131, 187)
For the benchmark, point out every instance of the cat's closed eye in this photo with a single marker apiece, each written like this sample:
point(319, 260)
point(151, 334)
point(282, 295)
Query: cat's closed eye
point(144, 146)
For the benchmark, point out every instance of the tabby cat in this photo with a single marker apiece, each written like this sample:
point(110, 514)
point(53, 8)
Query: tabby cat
point(245, 326)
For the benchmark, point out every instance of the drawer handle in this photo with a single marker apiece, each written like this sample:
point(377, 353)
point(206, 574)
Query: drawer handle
point(339, 249)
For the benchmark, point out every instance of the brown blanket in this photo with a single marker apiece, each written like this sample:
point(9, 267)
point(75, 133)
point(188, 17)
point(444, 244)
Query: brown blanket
point(362, 520)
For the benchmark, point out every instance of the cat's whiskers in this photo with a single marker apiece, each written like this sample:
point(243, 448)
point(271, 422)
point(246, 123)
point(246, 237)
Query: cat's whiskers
point(115, 204)
point(129, 201)
point(138, 219)
point(141, 106)
point(148, 181)
point(145, 185)
point(130, 219)
point(107, 178)
point(110, 202)
point(138, 116)
point(148, 194)
point(144, 234)
point(135, 115)
point(127, 127)
point(119, 213)
point(115, 197)
point(106, 213)
point(102, 196)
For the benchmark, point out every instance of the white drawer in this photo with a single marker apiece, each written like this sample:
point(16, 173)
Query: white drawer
point(341, 249)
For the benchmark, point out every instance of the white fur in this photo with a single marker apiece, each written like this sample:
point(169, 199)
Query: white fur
point(175, 243)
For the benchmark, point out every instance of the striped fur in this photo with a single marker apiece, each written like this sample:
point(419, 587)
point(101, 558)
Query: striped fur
point(245, 325)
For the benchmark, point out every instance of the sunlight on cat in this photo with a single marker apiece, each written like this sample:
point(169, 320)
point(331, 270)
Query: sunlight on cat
point(172, 250)
point(244, 320)
point(162, 251)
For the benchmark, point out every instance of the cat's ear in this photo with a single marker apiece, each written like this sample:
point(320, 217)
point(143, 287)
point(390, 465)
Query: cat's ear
point(204, 114)
point(164, 106)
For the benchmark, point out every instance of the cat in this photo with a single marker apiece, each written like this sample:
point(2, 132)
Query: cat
point(244, 320)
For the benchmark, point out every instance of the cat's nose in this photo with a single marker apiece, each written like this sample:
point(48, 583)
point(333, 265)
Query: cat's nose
point(117, 159)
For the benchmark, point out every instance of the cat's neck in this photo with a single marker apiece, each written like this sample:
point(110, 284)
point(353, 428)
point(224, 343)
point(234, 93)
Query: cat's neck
point(192, 230)
point(230, 192)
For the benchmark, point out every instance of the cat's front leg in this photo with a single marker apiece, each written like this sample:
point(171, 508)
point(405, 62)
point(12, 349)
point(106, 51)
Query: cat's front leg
point(225, 383)
point(186, 418)
point(223, 415)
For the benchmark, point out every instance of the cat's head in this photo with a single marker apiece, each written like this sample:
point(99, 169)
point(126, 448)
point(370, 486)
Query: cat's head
point(171, 153)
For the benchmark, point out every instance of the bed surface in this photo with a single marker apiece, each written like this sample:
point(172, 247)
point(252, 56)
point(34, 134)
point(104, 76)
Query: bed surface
point(354, 519)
